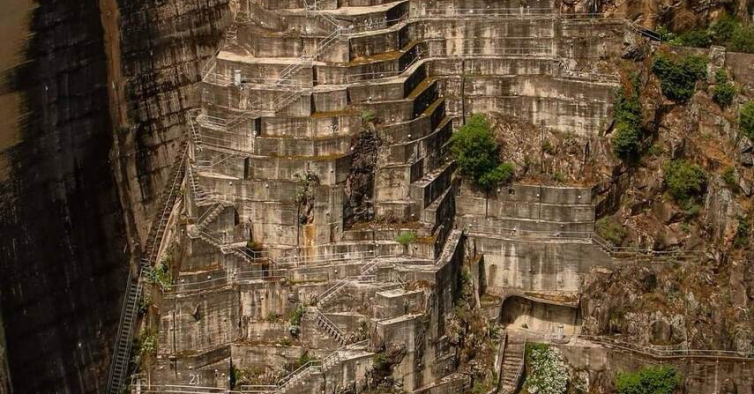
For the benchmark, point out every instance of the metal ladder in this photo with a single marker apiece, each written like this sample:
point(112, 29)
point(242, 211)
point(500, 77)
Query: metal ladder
point(122, 353)
point(129, 312)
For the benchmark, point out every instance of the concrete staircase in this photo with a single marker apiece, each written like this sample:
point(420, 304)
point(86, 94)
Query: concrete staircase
point(328, 295)
point(513, 364)
point(327, 326)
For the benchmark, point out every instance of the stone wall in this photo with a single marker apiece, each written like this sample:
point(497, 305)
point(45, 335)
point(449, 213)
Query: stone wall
point(700, 376)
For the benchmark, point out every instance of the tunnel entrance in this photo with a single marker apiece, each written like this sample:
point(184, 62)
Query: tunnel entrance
point(519, 312)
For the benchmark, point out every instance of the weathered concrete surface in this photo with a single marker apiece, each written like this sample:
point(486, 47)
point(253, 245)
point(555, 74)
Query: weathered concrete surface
point(62, 254)
point(700, 376)
point(89, 77)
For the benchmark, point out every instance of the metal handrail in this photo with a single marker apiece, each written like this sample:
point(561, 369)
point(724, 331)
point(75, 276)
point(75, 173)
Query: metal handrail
point(654, 351)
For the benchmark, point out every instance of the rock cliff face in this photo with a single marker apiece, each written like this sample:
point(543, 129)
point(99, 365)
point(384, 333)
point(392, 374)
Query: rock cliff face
point(68, 211)
point(676, 15)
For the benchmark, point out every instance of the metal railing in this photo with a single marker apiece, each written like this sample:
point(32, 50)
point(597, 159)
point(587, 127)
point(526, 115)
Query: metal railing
point(329, 292)
point(660, 352)
point(129, 312)
point(122, 352)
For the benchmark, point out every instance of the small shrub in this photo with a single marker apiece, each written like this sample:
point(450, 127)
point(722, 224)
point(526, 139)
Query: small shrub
point(627, 114)
point(406, 238)
point(656, 150)
point(549, 373)
point(662, 379)
point(724, 91)
point(273, 316)
point(159, 275)
point(746, 119)
point(610, 230)
point(627, 142)
point(665, 34)
point(742, 40)
point(678, 77)
point(367, 116)
point(724, 29)
point(729, 176)
point(741, 239)
point(500, 174)
point(694, 38)
point(558, 177)
point(146, 344)
point(548, 147)
point(296, 315)
point(285, 342)
point(685, 181)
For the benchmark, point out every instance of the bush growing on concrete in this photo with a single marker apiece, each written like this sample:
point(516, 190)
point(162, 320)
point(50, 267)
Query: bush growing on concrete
point(159, 275)
point(654, 379)
point(406, 238)
point(549, 373)
point(746, 119)
point(297, 315)
point(679, 76)
point(477, 154)
point(685, 181)
point(724, 91)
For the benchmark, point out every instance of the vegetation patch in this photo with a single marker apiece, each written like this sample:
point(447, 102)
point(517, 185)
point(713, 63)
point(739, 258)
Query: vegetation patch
point(746, 119)
point(611, 230)
point(727, 31)
point(160, 275)
point(679, 76)
point(685, 181)
point(477, 154)
point(295, 319)
point(724, 90)
point(406, 238)
point(653, 379)
point(549, 372)
point(741, 239)
point(627, 114)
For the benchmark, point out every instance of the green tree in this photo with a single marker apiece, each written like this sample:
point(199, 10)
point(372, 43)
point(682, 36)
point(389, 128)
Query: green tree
point(685, 180)
point(662, 379)
point(679, 76)
point(746, 119)
point(477, 154)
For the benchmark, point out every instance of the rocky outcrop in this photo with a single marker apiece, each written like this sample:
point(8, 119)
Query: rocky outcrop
point(685, 306)
point(677, 15)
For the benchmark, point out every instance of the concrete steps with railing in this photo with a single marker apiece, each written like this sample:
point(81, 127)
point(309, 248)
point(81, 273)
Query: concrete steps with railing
point(513, 364)
point(332, 292)
point(326, 325)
